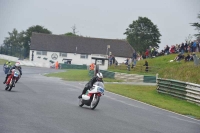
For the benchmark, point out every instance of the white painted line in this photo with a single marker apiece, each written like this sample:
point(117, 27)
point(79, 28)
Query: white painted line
point(123, 102)
point(184, 120)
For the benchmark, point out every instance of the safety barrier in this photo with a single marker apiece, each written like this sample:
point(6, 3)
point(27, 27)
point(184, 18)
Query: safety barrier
point(196, 60)
point(72, 66)
point(106, 74)
point(126, 77)
point(180, 89)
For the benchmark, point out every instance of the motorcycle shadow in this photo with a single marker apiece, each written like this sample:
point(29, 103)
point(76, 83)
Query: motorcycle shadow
point(88, 108)
point(10, 91)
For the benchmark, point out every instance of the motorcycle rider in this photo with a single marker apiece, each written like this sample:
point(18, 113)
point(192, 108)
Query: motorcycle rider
point(98, 77)
point(16, 66)
point(7, 66)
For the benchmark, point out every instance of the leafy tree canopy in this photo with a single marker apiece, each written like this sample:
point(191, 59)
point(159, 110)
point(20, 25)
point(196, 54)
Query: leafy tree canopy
point(23, 39)
point(28, 33)
point(197, 26)
point(70, 34)
point(142, 33)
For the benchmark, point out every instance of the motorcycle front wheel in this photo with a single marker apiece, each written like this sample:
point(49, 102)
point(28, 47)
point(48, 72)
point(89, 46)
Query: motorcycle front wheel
point(94, 102)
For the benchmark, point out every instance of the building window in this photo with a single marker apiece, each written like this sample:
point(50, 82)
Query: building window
point(44, 52)
point(41, 52)
point(63, 54)
point(84, 56)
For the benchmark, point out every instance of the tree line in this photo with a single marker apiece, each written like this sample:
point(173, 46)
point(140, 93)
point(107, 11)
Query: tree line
point(17, 42)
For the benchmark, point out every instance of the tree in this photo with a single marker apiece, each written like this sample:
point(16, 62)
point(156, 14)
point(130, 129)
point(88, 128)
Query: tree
point(70, 34)
point(27, 36)
point(142, 33)
point(13, 43)
point(197, 26)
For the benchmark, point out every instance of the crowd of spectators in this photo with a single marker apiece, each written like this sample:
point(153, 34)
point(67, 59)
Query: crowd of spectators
point(152, 52)
point(180, 49)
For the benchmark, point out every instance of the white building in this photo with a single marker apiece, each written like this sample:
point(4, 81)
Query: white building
point(46, 48)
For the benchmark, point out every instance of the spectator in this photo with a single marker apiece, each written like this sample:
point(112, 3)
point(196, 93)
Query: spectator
point(172, 49)
point(179, 57)
point(194, 45)
point(129, 63)
point(116, 63)
point(187, 57)
point(126, 61)
point(191, 44)
point(198, 44)
point(167, 50)
point(197, 48)
point(110, 60)
point(146, 64)
point(134, 59)
point(186, 47)
point(147, 53)
point(113, 59)
point(182, 48)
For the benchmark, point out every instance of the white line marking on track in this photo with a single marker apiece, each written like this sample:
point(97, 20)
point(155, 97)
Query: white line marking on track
point(184, 120)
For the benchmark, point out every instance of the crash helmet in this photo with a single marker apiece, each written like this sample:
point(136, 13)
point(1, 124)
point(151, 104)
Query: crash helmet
point(99, 76)
point(17, 64)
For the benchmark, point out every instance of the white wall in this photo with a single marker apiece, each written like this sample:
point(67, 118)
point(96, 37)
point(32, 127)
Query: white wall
point(76, 59)
point(120, 60)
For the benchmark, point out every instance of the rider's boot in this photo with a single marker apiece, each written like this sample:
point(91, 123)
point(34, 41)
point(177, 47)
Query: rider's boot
point(5, 80)
point(80, 96)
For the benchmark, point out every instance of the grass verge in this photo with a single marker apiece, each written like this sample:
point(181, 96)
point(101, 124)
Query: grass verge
point(77, 75)
point(148, 94)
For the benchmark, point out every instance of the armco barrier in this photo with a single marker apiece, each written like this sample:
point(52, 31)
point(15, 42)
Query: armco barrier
point(149, 79)
point(72, 66)
point(106, 74)
point(126, 77)
point(180, 89)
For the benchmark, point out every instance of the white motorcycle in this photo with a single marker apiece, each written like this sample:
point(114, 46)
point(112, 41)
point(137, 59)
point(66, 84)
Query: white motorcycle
point(92, 96)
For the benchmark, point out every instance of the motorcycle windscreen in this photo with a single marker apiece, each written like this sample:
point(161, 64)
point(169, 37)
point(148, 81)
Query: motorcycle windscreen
point(99, 84)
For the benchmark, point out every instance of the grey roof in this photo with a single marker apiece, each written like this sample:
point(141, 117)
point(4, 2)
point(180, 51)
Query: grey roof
point(85, 45)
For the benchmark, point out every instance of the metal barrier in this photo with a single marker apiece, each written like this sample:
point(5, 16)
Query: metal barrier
point(196, 60)
point(72, 66)
point(125, 77)
point(184, 90)
point(106, 74)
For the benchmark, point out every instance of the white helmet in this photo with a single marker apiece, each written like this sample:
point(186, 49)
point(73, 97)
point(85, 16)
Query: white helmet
point(17, 64)
point(99, 75)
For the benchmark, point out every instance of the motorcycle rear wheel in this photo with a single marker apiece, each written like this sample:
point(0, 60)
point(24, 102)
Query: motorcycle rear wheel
point(11, 86)
point(94, 102)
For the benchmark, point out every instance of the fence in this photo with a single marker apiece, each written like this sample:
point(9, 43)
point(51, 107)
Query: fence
point(138, 68)
point(71, 66)
point(184, 90)
point(126, 77)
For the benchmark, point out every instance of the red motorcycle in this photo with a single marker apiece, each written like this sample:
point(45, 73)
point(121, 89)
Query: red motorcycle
point(12, 78)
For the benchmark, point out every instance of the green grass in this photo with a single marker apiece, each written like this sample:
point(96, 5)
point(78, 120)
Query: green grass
point(183, 71)
point(2, 62)
point(77, 75)
point(148, 94)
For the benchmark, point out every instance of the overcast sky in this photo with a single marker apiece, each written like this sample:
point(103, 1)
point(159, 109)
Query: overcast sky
point(100, 19)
